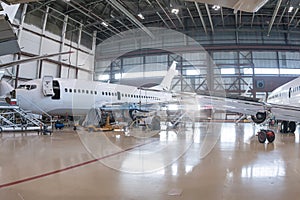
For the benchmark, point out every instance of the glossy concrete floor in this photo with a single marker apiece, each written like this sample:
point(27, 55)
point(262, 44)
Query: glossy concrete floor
point(207, 161)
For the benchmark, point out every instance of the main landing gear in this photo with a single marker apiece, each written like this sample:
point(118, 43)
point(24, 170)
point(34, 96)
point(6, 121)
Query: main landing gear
point(287, 127)
point(264, 135)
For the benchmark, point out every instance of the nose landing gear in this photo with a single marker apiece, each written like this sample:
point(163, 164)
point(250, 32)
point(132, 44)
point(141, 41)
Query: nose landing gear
point(264, 135)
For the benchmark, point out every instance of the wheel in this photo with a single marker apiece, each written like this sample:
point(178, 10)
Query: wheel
point(259, 118)
point(284, 127)
point(270, 136)
point(292, 127)
point(262, 136)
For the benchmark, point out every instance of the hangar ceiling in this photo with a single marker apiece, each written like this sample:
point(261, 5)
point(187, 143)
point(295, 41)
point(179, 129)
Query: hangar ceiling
point(111, 17)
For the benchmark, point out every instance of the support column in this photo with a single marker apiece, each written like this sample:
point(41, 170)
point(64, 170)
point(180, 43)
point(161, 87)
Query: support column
point(39, 62)
point(15, 69)
point(63, 38)
point(77, 51)
point(210, 72)
point(94, 52)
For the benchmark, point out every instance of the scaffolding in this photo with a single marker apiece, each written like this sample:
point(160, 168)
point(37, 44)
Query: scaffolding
point(14, 118)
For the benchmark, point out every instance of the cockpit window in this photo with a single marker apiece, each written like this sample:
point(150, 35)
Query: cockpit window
point(27, 87)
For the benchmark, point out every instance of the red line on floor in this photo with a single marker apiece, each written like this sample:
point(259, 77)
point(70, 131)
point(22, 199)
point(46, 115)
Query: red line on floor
point(71, 167)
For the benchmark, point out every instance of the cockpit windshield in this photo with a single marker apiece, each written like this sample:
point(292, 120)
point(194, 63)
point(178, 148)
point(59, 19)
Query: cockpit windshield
point(27, 87)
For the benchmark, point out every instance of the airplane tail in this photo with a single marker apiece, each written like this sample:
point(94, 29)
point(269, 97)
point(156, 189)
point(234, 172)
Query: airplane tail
point(165, 85)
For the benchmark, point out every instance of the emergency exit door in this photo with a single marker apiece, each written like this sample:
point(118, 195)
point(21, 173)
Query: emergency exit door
point(48, 86)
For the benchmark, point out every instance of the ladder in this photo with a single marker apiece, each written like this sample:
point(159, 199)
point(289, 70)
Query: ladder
point(8, 122)
point(28, 116)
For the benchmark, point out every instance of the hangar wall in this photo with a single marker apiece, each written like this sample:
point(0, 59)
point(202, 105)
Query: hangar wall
point(241, 61)
point(40, 33)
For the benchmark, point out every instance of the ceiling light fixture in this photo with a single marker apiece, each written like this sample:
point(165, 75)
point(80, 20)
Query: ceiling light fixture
point(175, 11)
point(140, 15)
point(216, 7)
point(291, 9)
point(104, 24)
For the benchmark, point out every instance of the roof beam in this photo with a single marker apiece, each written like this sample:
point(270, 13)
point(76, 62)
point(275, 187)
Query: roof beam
point(117, 5)
point(297, 23)
point(222, 16)
point(163, 19)
point(240, 22)
point(281, 16)
point(201, 17)
point(180, 21)
point(209, 17)
point(166, 13)
point(159, 15)
point(252, 19)
point(274, 16)
point(86, 12)
point(191, 16)
point(41, 5)
point(296, 11)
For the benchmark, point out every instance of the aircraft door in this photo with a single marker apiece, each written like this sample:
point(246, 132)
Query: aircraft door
point(47, 86)
point(119, 95)
point(290, 92)
point(56, 90)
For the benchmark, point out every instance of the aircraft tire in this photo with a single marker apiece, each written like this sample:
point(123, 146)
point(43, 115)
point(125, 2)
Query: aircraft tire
point(262, 136)
point(259, 118)
point(1, 130)
point(270, 136)
point(284, 127)
point(292, 127)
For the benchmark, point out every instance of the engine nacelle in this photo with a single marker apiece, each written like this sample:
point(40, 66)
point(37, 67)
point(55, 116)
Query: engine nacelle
point(260, 117)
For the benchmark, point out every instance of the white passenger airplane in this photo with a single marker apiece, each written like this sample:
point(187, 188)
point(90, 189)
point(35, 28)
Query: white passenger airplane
point(283, 104)
point(74, 97)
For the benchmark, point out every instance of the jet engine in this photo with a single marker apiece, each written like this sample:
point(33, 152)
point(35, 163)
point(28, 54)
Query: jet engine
point(260, 117)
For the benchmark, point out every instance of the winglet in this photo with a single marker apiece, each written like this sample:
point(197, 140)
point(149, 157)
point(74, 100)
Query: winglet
point(165, 85)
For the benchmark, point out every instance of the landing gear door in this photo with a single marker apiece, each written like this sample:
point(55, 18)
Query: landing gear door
point(48, 86)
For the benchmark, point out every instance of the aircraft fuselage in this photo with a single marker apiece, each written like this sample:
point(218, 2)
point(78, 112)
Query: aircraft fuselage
point(77, 97)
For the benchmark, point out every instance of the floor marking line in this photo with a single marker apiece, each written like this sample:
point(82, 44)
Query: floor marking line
point(72, 167)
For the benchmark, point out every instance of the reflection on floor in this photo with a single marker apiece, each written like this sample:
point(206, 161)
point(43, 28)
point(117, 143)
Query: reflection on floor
point(201, 161)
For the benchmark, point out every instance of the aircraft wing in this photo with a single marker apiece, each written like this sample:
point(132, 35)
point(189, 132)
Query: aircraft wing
point(250, 106)
point(285, 112)
point(244, 106)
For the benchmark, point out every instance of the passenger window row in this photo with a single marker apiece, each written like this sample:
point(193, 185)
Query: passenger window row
point(296, 89)
point(129, 95)
point(82, 91)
